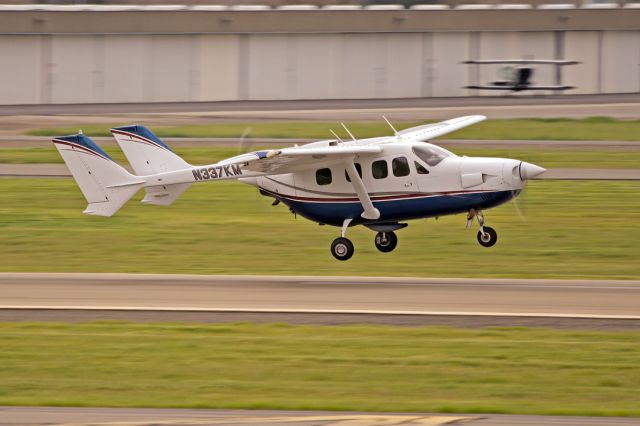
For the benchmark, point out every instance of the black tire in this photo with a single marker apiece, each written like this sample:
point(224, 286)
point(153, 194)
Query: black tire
point(490, 237)
point(342, 248)
point(386, 241)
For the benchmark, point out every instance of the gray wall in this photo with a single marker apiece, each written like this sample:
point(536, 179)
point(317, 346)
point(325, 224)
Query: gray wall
point(94, 68)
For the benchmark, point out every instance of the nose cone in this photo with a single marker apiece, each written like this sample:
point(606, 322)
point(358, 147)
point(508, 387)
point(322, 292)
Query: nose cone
point(530, 171)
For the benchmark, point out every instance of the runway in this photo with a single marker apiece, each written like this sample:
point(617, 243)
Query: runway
point(324, 300)
point(18, 416)
point(406, 301)
point(522, 106)
point(22, 141)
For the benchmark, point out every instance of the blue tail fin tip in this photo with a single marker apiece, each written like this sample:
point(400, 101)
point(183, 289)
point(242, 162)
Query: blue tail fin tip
point(85, 142)
point(142, 131)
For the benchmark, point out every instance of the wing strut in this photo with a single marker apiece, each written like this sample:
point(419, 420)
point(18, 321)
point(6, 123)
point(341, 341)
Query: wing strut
point(370, 212)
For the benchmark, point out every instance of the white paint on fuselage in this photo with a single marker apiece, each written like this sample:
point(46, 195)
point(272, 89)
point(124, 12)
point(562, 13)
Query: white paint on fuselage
point(452, 174)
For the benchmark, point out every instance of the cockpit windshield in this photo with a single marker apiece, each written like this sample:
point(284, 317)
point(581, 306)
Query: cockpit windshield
point(430, 154)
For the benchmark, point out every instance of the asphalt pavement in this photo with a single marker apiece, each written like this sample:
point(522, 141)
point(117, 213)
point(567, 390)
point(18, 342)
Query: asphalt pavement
point(22, 141)
point(22, 416)
point(511, 106)
point(410, 301)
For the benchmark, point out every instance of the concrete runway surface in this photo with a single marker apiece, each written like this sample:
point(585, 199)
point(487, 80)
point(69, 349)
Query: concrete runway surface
point(465, 302)
point(21, 141)
point(18, 416)
point(25, 296)
point(527, 105)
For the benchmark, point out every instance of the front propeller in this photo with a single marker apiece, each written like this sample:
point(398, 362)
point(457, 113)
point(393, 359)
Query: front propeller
point(526, 172)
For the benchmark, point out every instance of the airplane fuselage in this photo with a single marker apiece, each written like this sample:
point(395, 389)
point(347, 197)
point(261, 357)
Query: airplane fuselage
point(405, 181)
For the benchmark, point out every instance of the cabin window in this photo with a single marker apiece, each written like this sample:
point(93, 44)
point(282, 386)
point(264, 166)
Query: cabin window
point(379, 169)
point(430, 154)
point(420, 168)
point(400, 166)
point(358, 168)
point(323, 176)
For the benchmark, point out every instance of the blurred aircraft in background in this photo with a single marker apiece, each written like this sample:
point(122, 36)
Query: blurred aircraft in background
point(376, 182)
point(516, 77)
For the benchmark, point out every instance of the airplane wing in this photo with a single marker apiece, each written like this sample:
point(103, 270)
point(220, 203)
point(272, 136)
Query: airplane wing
point(522, 61)
point(519, 88)
point(287, 160)
point(430, 131)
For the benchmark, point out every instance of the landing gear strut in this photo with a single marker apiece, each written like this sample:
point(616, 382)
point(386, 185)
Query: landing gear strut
point(386, 241)
point(487, 236)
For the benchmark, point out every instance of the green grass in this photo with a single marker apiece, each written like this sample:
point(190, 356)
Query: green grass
point(573, 230)
point(594, 128)
point(364, 368)
point(619, 159)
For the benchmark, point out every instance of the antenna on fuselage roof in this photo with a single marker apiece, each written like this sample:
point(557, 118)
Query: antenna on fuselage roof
point(395, 132)
point(350, 134)
point(337, 137)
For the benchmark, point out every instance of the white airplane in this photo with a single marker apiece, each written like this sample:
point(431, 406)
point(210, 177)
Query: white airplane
point(376, 182)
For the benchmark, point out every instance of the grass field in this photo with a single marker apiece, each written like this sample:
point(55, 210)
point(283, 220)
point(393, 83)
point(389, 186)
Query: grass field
point(577, 158)
point(368, 368)
point(594, 128)
point(573, 230)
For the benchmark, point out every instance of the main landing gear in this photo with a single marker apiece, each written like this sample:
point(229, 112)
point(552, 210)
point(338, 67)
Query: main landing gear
point(385, 241)
point(487, 236)
point(342, 248)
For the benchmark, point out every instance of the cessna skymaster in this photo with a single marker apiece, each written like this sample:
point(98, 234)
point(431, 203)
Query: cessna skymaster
point(376, 182)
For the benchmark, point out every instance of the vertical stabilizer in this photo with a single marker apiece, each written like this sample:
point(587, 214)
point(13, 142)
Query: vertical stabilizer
point(106, 185)
point(148, 155)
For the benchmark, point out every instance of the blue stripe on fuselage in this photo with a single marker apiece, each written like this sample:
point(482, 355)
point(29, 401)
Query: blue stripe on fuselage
point(334, 213)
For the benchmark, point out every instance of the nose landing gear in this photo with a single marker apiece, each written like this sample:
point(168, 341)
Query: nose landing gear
point(487, 236)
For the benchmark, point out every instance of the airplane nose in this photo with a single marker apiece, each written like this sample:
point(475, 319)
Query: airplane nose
point(530, 171)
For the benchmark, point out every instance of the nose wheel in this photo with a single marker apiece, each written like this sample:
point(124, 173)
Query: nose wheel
point(487, 236)
point(386, 241)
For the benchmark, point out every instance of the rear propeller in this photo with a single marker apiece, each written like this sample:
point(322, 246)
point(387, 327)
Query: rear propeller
point(245, 141)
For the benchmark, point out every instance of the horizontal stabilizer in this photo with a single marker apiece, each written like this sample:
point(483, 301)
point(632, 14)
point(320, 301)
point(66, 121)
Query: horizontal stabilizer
point(164, 195)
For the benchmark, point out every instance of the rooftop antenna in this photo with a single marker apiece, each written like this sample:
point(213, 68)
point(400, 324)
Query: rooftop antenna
point(334, 134)
point(390, 125)
point(350, 134)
